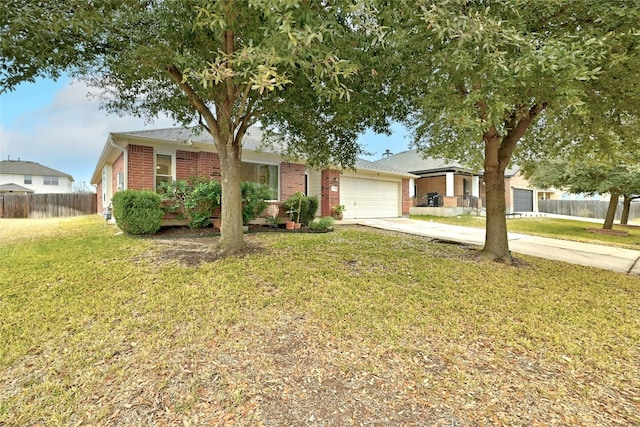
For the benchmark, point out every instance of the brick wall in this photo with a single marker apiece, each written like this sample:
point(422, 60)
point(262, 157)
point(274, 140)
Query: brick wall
point(435, 184)
point(186, 164)
point(140, 168)
point(291, 179)
point(99, 196)
point(202, 164)
point(209, 165)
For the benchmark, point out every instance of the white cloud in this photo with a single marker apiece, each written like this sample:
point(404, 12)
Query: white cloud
point(67, 135)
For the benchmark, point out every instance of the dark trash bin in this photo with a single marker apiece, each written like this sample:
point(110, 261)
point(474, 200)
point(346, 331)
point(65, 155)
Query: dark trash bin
point(432, 199)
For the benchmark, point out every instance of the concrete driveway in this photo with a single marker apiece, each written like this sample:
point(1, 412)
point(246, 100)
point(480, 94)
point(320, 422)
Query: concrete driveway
point(622, 260)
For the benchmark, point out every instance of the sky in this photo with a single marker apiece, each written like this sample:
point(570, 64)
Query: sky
point(57, 124)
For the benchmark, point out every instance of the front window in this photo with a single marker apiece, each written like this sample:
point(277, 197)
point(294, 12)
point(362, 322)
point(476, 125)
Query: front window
point(164, 169)
point(27, 179)
point(50, 180)
point(263, 174)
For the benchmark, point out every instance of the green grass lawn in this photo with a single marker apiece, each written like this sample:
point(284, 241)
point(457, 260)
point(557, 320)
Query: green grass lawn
point(353, 327)
point(549, 227)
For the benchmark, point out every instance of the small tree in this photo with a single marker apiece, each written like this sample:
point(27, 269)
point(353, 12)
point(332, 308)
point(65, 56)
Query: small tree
point(83, 188)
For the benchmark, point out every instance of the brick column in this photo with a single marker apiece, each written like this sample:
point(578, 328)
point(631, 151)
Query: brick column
point(329, 191)
point(407, 202)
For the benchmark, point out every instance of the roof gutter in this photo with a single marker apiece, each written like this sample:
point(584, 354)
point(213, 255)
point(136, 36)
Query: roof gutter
point(109, 146)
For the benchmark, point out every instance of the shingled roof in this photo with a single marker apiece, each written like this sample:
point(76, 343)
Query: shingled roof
point(413, 162)
point(21, 167)
point(14, 188)
point(251, 141)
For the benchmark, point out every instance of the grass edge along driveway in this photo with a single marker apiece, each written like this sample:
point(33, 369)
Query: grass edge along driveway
point(557, 228)
point(354, 327)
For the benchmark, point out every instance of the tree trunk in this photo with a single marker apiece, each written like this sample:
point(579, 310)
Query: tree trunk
point(611, 211)
point(231, 235)
point(626, 207)
point(496, 243)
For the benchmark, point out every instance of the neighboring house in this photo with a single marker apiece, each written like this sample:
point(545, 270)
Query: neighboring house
point(140, 160)
point(14, 189)
point(20, 177)
point(457, 186)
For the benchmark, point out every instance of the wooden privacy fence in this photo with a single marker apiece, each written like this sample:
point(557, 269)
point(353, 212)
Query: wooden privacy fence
point(585, 208)
point(47, 205)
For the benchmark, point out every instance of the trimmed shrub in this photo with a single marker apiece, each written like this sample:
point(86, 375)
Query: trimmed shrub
point(322, 224)
point(137, 211)
point(254, 200)
point(201, 202)
point(309, 213)
point(301, 208)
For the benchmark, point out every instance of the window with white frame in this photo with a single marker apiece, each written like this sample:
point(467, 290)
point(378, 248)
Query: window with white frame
point(50, 180)
point(28, 179)
point(164, 168)
point(262, 174)
point(120, 181)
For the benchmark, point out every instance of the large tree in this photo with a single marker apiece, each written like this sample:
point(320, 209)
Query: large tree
point(479, 76)
point(293, 65)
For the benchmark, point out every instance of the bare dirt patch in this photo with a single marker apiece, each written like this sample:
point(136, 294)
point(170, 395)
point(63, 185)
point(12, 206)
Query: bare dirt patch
point(193, 247)
point(192, 250)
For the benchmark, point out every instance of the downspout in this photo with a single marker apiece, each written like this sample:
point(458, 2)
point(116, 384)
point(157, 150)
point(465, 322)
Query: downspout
point(126, 161)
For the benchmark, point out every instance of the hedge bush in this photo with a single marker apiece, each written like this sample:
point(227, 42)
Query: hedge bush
point(322, 224)
point(194, 199)
point(301, 208)
point(137, 211)
point(201, 202)
point(254, 200)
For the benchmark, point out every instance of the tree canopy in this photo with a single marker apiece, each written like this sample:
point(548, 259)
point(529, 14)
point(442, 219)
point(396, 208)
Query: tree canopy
point(303, 69)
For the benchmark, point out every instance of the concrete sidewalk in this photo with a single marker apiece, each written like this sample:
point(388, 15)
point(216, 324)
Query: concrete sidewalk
point(625, 261)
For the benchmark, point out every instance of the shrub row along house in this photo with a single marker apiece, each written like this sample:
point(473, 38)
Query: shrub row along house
point(141, 160)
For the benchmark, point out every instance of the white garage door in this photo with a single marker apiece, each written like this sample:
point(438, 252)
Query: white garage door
point(370, 198)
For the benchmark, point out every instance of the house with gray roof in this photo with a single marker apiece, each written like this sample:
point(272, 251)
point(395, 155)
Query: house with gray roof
point(143, 159)
point(24, 177)
point(450, 184)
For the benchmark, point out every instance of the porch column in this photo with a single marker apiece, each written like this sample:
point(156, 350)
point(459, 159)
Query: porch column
point(450, 191)
point(475, 186)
